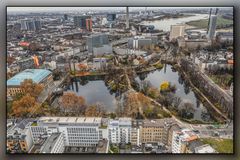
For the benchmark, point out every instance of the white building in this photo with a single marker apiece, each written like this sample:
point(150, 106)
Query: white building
point(99, 63)
point(77, 131)
point(135, 136)
point(181, 139)
point(176, 31)
point(205, 149)
point(120, 130)
point(54, 144)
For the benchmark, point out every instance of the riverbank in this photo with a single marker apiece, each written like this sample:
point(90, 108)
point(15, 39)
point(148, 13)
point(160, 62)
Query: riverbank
point(203, 23)
point(217, 114)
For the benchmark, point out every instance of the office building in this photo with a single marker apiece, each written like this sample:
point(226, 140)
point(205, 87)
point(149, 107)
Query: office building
point(176, 31)
point(23, 23)
point(139, 42)
point(111, 17)
point(180, 140)
point(77, 131)
point(65, 16)
point(30, 25)
point(212, 26)
point(95, 41)
point(104, 49)
point(127, 18)
point(53, 144)
point(39, 76)
point(81, 21)
point(38, 24)
point(120, 130)
point(89, 24)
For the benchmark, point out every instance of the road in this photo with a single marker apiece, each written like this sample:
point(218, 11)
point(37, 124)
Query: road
point(207, 130)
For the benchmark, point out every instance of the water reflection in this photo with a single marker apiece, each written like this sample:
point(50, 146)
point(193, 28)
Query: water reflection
point(183, 89)
point(94, 91)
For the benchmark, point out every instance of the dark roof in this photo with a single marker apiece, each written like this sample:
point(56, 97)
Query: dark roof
point(193, 144)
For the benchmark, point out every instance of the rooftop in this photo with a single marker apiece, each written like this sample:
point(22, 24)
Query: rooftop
point(187, 135)
point(205, 149)
point(70, 120)
point(158, 122)
point(37, 75)
point(49, 143)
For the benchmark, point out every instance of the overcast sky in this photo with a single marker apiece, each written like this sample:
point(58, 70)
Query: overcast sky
point(52, 9)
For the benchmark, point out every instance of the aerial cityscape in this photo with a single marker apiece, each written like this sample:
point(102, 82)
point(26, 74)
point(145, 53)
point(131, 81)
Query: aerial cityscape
point(120, 80)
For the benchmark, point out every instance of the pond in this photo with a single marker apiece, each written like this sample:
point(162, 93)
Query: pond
point(183, 90)
point(94, 91)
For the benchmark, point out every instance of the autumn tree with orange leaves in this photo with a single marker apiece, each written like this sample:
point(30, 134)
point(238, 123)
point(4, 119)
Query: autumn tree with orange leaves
point(96, 110)
point(31, 88)
point(70, 102)
point(25, 107)
point(135, 102)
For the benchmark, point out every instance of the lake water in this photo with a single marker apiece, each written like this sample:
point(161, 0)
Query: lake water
point(165, 24)
point(95, 92)
point(183, 91)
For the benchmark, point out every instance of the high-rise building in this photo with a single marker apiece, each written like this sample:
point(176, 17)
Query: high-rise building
point(127, 18)
point(89, 24)
point(23, 23)
point(212, 26)
point(80, 21)
point(96, 40)
point(111, 17)
point(38, 25)
point(65, 16)
point(30, 25)
point(176, 31)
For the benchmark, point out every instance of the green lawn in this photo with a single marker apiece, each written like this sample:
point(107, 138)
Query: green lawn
point(220, 145)
point(203, 23)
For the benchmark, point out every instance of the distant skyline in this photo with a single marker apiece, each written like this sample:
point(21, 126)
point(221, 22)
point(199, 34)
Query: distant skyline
point(68, 9)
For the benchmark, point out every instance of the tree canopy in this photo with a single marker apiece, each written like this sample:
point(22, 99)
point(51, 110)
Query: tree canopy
point(31, 88)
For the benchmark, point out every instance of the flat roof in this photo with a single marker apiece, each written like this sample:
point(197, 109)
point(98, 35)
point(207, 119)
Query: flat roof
point(50, 142)
point(70, 119)
point(205, 149)
point(37, 75)
point(158, 122)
